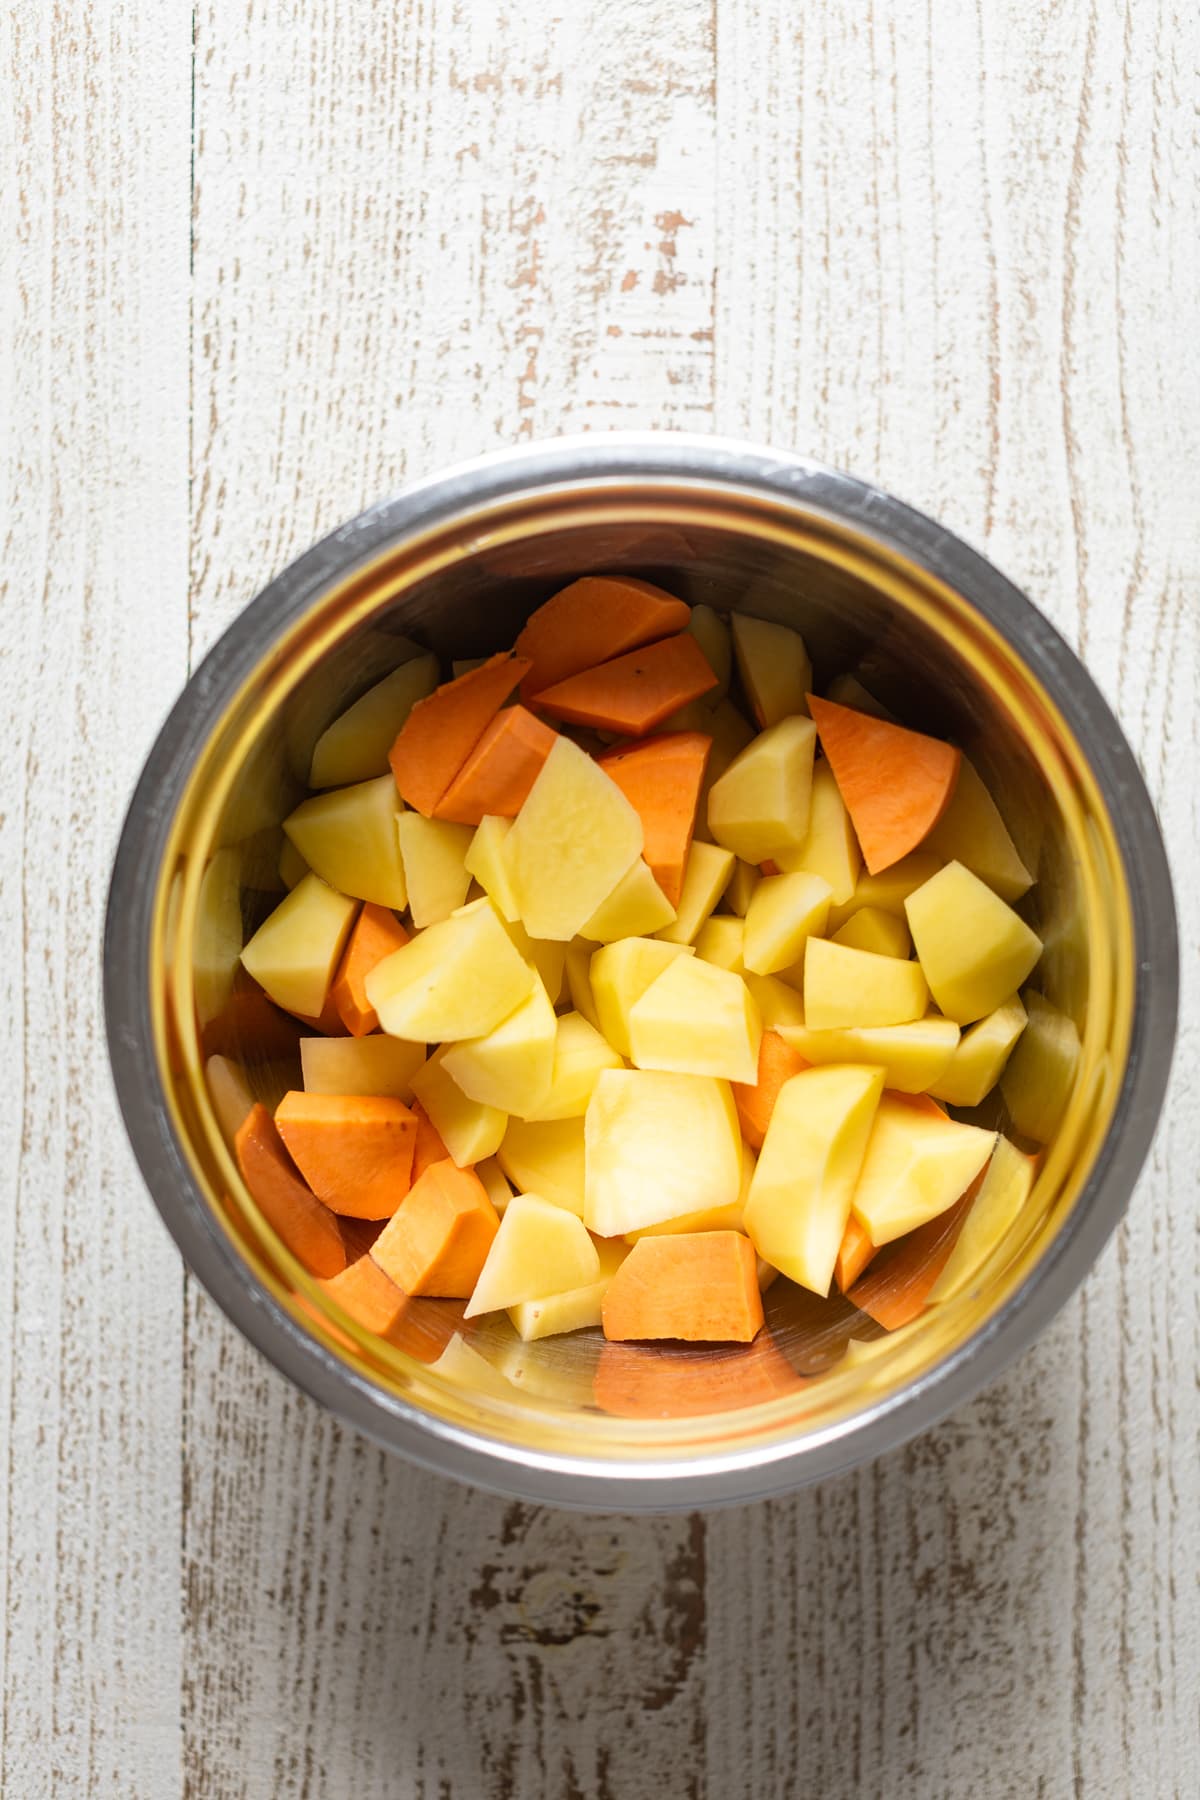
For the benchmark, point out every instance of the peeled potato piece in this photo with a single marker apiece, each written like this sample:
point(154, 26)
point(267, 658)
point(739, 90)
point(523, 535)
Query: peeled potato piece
point(458, 979)
point(570, 844)
point(974, 949)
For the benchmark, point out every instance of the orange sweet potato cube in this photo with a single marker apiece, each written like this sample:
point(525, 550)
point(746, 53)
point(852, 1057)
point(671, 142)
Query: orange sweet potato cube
point(438, 1241)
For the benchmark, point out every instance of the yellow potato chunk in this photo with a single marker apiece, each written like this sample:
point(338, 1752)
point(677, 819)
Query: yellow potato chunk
point(487, 862)
point(730, 735)
point(434, 856)
point(496, 1182)
point(830, 848)
point(546, 1159)
point(911, 1056)
point(581, 1054)
point(577, 967)
point(972, 832)
point(364, 658)
point(510, 1067)
point(348, 838)
point(356, 745)
point(658, 1145)
point(721, 941)
point(974, 949)
point(1041, 1071)
point(637, 907)
point(620, 974)
point(470, 1130)
point(721, 721)
point(457, 979)
point(577, 1309)
point(570, 844)
point(538, 1250)
point(368, 1065)
point(549, 959)
point(712, 635)
point(704, 878)
point(696, 1019)
point(784, 912)
point(742, 883)
point(774, 666)
point(915, 1167)
point(854, 988)
point(759, 807)
point(809, 1165)
point(888, 890)
point(296, 949)
point(885, 934)
point(979, 1059)
point(993, 1212)
point(778, 1003)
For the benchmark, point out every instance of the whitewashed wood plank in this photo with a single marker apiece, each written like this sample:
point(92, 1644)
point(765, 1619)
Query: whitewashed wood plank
point(415, 237)
point(982, 243)
point(1131, 396)
point(920, 274)
point(94, 156)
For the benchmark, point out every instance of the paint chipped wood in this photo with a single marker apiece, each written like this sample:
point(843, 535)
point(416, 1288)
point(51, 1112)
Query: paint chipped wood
point(260, 267)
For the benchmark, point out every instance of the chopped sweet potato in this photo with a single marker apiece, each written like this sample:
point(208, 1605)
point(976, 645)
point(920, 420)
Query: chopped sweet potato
point(633, 694)
point(896, 783)
point(501, 769)
point(777, 1063)
point(897, 1286)
point(854, 1254)
point(661, 778)
point(421, 1328)
point(328, 1022)
point(355, 1151)
point(292, 1210)
point(442, 730)
point(590, 622)
point(438, 1241)
point(700, 1287)
point(367, 1294)
point(375, 934)
point(918, 1103)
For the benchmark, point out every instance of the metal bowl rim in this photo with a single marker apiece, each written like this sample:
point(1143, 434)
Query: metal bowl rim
point(683, 1483)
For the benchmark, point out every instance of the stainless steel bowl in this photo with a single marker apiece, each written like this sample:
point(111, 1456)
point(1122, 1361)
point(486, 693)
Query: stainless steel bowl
point(456, 562)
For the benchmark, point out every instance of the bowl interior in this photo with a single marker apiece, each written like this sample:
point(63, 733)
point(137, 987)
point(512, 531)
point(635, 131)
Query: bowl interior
point(462, 589)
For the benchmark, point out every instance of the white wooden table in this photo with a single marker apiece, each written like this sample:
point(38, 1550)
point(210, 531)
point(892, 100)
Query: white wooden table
point(259, 262)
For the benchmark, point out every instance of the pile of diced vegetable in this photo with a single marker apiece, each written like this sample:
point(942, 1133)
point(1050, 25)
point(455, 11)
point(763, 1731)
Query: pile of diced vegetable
point(633, 975)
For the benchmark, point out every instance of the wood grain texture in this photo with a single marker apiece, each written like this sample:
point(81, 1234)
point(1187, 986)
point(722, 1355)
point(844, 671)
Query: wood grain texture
point(494, 225)
point(954, 249)
point(93, 551)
